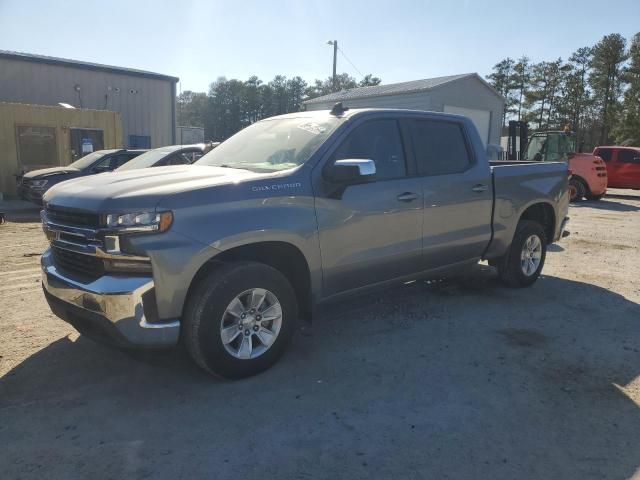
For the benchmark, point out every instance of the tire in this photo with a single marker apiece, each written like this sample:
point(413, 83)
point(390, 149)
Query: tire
point(590, 196)
point(511, 268)
point(577, 189)
point(213, 305)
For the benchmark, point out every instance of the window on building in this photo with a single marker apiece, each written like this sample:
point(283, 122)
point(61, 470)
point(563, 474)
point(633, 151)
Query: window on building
point(37, 146)
point(377, 140)
point(85, 141)
point(139, 141)
point(440, 147)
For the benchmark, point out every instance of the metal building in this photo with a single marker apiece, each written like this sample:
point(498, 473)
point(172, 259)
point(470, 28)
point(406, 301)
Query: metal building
point(467, 94)
point(145, 100)
point(37, 136)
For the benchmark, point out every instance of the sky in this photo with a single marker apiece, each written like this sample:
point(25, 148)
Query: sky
point(396, 40)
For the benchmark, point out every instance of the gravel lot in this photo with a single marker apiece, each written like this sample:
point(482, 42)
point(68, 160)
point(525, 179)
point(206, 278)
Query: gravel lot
point(462, 379)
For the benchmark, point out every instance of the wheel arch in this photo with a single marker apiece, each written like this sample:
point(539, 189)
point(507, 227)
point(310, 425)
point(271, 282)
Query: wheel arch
point(543, 213)
point(283, 256)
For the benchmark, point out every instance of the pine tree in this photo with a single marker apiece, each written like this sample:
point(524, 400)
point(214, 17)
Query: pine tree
point(607, 63)
point(627, 130)
point(502, 80)
point(520, 81)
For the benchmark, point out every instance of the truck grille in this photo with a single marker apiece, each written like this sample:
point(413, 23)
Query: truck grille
point(85, 265)
point(74, 218)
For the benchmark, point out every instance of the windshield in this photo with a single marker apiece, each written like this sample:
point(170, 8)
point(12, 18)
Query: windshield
point(272, 145)
point(147, 159)
point(88, 160)
point(550, 147)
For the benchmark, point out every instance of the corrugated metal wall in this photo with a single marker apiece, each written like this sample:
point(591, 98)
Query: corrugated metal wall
point(467, 92)
point(62, 119)
point(146, 104)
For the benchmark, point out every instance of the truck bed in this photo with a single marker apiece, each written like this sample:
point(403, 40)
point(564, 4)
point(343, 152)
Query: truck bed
point(516, 186)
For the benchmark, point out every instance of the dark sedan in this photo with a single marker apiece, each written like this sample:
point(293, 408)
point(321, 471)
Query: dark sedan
point(32, 185)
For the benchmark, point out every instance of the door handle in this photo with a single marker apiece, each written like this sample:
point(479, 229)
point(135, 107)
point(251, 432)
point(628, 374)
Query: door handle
point(479, 188)
point(408, 197)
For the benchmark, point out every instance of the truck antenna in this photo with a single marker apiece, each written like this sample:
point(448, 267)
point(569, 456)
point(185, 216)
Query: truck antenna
point(338, 109)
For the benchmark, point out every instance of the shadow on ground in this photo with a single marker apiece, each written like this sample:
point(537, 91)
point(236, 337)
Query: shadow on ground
point(606, 204)
point(452, 379)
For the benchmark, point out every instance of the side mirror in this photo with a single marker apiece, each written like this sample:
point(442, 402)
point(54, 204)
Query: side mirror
point(636, 159)
point(352, 170)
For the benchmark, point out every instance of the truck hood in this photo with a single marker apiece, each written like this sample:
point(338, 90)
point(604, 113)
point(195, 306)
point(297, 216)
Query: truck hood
point(139, 189)
point(48, 172)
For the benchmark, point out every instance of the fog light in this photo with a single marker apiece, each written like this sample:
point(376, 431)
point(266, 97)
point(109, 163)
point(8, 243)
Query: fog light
point(112, 244)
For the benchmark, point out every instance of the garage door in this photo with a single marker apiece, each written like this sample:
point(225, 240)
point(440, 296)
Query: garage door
point(481, 118)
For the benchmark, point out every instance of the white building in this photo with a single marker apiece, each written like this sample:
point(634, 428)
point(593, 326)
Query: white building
point(466, 94)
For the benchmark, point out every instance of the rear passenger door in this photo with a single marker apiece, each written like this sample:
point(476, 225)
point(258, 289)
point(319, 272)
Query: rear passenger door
point(457, 191)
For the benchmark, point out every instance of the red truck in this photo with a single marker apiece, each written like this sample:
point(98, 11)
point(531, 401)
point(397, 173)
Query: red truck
point(623, 165)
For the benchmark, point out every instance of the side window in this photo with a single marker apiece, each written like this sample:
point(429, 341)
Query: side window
point(380, 141)
point(605, 154)
point(119, 160)
point(440, 147)
point(627, 156)
point(103, 165)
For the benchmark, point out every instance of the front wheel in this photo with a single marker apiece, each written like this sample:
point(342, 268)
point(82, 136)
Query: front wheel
point(522, 264)
point(239, 319)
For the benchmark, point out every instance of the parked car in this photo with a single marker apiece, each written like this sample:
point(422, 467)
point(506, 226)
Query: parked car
point(32, 185)
point(623, 165)
point(589, 173)
point(170, 155)
point(289, 213)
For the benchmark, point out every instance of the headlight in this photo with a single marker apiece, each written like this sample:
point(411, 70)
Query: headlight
point(38, 183)
point(140, 222)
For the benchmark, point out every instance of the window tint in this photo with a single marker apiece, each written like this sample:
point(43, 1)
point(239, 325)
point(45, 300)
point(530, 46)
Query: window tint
point(119, 160)
point(627, 156)
point(103, 165)
point(440, 147)
point(604, 154)
point(377, 140)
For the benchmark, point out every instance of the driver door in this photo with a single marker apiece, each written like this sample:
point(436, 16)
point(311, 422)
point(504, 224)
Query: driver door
point(370, 232)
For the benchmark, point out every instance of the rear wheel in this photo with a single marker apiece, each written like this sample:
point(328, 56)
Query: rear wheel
point(522, 264)
point(577, 189)
point(239, 319)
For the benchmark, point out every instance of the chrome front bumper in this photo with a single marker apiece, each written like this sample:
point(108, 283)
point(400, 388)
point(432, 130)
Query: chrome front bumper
point(117, 309)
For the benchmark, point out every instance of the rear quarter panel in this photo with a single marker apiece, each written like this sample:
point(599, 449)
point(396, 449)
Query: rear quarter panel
point(517, 186)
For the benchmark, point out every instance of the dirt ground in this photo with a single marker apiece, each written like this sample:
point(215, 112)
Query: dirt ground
point(462, 379)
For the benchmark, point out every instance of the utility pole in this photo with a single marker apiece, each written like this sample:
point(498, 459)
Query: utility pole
point(335, 60)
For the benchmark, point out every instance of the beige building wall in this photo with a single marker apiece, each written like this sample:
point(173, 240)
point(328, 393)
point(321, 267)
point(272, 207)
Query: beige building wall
point(62, 120)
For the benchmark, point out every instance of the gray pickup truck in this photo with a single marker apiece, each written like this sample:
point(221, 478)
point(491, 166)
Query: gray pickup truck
point(226, 254)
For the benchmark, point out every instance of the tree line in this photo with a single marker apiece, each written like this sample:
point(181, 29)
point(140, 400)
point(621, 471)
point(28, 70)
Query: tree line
point(596, 91)
point(231, 105)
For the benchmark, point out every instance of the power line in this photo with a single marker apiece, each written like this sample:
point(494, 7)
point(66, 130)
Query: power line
point(347, 59)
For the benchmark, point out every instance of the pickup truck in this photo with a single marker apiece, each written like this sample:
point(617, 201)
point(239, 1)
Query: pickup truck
point(623, 165)
point(293, 211)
